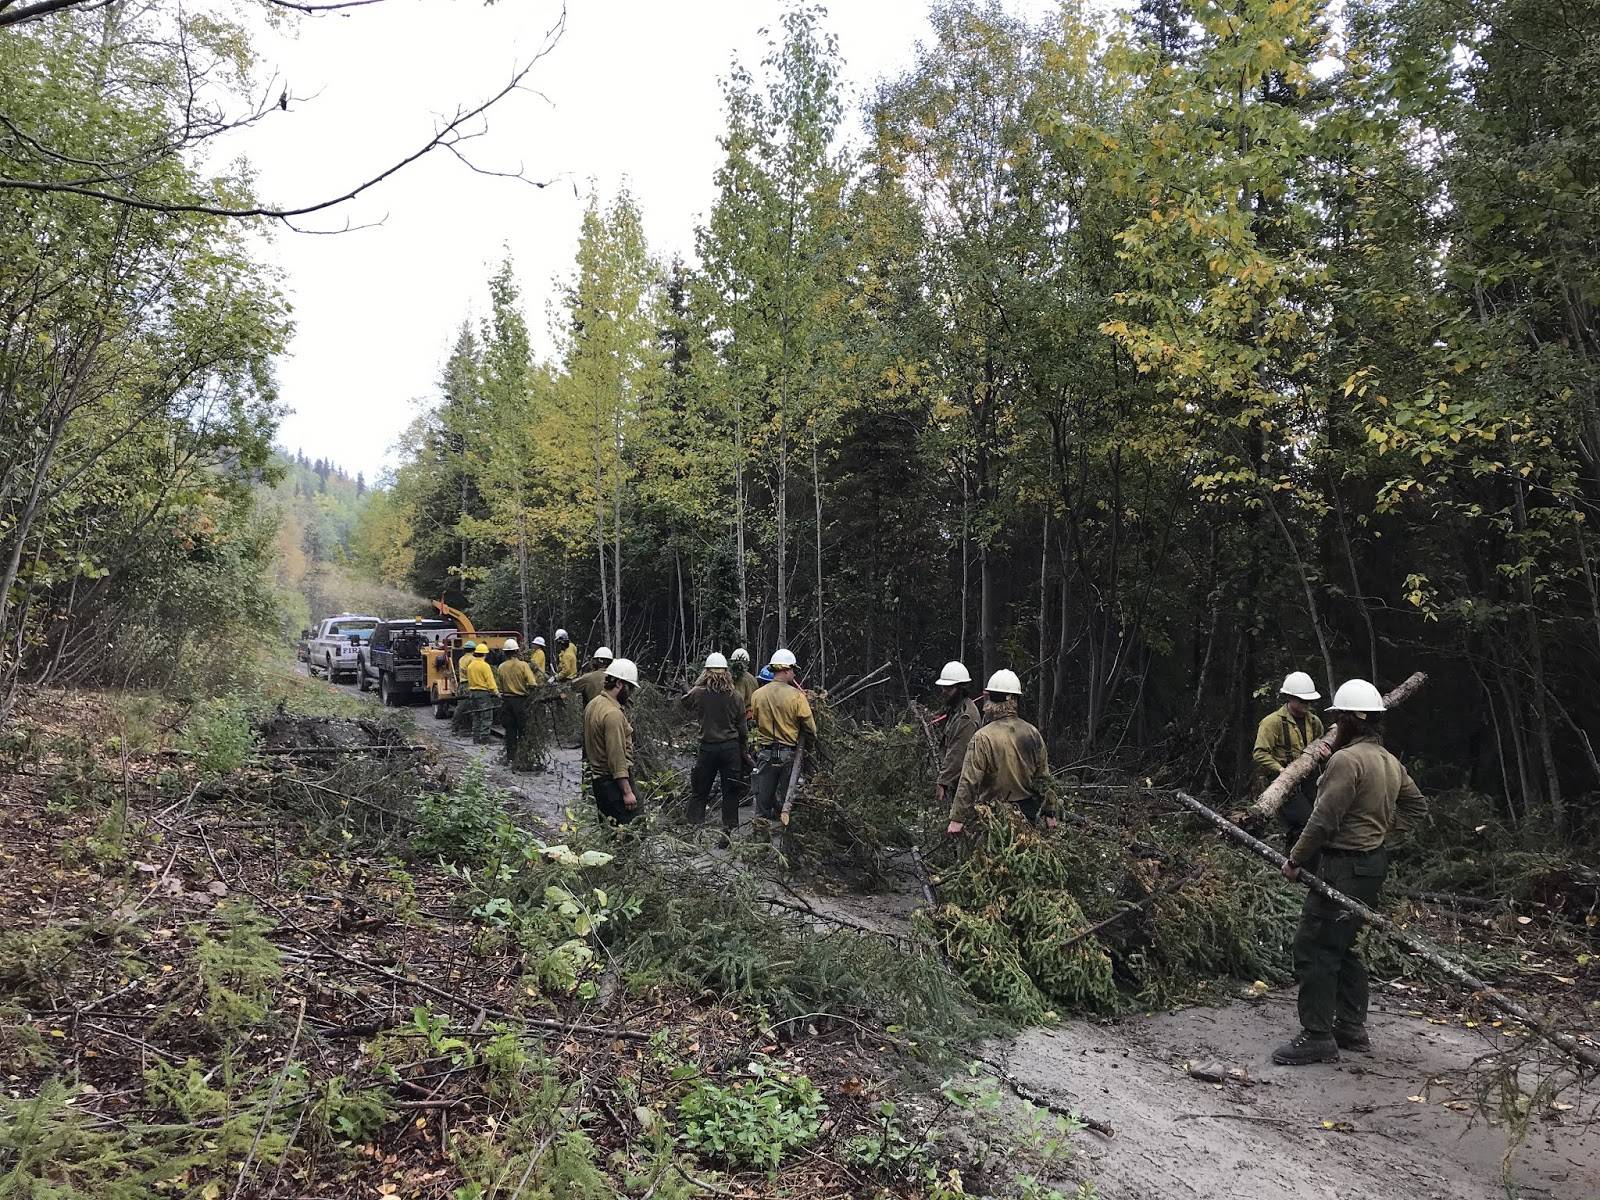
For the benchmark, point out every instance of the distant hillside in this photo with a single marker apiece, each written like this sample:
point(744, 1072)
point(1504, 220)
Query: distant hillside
point(317, 507)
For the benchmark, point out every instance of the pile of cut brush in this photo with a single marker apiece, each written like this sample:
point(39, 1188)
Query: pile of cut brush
point(1095, 916)
point(1087, 918)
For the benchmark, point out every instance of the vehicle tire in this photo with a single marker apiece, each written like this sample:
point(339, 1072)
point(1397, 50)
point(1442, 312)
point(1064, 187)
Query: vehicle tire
point(386, 695)
point(363, 680)
point(441, 708)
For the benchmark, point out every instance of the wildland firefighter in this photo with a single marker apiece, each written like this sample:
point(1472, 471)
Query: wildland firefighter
point(1005, 761)
point(593, 681)
point(724, 743)
point(517, 685)
point(956, 723)
point(743, 680)
point(1281, 737)
point(1363, 798)
point(483, 691)
point(608, 744)
point(566, 658)
point(783, 722)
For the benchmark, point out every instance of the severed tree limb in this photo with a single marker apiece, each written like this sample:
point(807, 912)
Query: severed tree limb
point(1276, 792)
point(1581, 1048)
point(1044, 1102)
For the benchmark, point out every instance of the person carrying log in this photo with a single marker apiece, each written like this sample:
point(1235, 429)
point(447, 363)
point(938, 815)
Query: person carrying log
point(1281, 738)
point(1365, 796)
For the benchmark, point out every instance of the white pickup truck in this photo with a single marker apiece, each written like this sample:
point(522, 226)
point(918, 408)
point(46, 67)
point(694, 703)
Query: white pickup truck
point(336, 648)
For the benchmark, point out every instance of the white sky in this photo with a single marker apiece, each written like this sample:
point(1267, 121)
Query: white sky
point(633, 92)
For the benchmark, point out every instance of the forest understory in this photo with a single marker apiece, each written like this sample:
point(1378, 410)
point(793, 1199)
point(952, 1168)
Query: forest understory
point(300, 946)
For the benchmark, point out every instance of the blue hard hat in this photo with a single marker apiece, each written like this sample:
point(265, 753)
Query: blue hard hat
point(766, 673)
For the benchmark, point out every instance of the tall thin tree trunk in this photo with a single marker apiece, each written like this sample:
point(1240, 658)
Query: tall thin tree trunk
point(783, 524)
point(822, 624)
point(738, 520)
point(612, 634)
point(523, 589)
point(1310, 592)
point(1541, 708)
point(966, 565)
point(1044, 608)
point(683, 624)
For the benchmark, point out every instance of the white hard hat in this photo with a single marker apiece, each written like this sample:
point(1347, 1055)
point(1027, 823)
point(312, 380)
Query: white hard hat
point(741, 654)
point(624, 670)
point(1358, 696)
point(1298, 684)
point(952, 674)
point(511, 644)
point(716, 662)
point(560, 633)
point(538, 641)
point(1005, 683)
point(782, 658)
point(605, 653)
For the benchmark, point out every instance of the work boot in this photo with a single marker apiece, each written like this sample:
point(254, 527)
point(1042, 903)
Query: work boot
point(1306, 1048)
point(1353, 1038)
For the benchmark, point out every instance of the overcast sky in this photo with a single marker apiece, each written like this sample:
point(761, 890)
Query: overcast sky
point(631, 91)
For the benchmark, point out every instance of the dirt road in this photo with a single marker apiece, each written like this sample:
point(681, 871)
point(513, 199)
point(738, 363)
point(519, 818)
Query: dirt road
point(1393, 1125)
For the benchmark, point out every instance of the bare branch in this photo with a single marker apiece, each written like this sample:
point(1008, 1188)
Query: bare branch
point(446, 136)
point(45, 8)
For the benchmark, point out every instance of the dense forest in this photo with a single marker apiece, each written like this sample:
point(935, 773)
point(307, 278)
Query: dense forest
point(1152, 357)
point(1151, 354)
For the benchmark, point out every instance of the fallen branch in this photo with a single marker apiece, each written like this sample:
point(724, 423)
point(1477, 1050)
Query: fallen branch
point(1276, 792)
point(1032, 1097)
point(1579, 1048)
point(794, 784)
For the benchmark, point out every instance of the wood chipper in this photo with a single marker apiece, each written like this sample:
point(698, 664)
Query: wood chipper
point(440, 661)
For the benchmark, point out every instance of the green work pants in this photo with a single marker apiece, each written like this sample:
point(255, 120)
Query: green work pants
point(483, 705)
point(514, 715)
point(1327, 959)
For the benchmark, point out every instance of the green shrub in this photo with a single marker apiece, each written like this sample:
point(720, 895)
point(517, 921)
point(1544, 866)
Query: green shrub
point(467, 825)
point(218, 736)
point(755, 1121)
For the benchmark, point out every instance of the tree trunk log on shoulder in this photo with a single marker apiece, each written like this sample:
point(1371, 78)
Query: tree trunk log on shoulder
point(1276, 792)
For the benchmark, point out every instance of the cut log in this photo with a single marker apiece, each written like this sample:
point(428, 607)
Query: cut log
point(794, 784)
point(1582, 1049)
point(1276, 792)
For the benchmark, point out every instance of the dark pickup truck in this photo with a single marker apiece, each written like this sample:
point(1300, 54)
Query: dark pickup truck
point(392, 660)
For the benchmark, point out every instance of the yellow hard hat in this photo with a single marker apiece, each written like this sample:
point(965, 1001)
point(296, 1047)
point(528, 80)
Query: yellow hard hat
point(483, 648)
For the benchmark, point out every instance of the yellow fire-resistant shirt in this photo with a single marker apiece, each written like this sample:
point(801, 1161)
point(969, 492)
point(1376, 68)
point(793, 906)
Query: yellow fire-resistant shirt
point(1280, 739)
point(567, 663)
point(478, 675)
point(781, 712)
point(1364, 794)
point(537, 660)
point(607, 738)
point(516, 677)
point(1005, 763)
